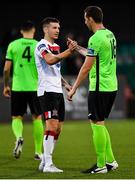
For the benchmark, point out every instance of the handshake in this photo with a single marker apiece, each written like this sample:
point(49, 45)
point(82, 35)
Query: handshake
point(72, 45)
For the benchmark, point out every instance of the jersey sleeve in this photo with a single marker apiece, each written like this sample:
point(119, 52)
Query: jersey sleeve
point(43, 49)
point(9, 53)
point(93, 47)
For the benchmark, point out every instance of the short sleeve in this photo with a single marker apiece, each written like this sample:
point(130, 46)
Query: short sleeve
point(93, 47)
point(43, 49)
point(9, 54)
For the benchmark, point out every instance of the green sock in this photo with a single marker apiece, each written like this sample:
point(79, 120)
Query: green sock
point(99, 139)
point(109, 153)
point(17, 127)
point(38, 135)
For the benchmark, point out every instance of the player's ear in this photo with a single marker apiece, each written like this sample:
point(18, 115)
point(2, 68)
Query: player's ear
point(45, 29)
point(91, 19)
point(34, 30)
point(21, 31)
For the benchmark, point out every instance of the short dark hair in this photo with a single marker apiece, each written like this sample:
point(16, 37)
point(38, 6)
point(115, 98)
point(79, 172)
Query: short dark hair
point(49, 20)
point(27, 25)
point(95, 12)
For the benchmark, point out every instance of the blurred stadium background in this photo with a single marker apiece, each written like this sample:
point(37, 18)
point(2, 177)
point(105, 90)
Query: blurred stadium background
point(118, 17)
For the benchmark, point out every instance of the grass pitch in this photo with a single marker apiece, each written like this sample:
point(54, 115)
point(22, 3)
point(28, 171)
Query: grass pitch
point(74, 152)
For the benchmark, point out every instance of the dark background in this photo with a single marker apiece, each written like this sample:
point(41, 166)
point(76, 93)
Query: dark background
point(118, 17)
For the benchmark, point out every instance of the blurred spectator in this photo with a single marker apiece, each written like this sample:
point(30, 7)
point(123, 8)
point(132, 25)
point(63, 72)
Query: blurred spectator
point(1, 67)
point(126, 68)
point(73, 64)
point(9, 36)
point(130, 90)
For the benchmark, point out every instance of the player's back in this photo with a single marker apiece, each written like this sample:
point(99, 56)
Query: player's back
point(104, 69)
point(21, 53)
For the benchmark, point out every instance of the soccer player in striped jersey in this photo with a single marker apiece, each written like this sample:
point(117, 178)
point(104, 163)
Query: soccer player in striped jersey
point(50, 81)
point(100, 63)
point(20, 55)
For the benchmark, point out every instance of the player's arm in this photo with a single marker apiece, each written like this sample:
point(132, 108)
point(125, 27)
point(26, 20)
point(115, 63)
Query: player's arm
point(80, 49)
point(66, 84)
point(6, 73)
point(83, 73)
point(53, 59)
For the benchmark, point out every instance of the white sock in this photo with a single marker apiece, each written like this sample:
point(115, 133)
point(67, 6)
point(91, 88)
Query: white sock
point(43, 159)
point(55, 141)
point(48, 145)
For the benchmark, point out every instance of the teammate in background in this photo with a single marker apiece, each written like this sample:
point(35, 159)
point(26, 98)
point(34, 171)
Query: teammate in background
point(20, 54)
point(100, 63)
point(50, 81)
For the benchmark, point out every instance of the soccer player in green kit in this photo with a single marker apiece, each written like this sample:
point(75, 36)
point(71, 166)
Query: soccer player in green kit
point(20, 55)
point(100, 63)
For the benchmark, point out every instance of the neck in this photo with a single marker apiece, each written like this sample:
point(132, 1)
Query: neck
point(28, 35)
point(98, 27)
point(49, 39)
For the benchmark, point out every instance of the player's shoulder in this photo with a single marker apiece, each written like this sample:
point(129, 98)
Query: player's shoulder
point(41, 44)
point(95, 37)
point(28, 40)
point(35, 41)
point(14, 43)
point(108, 30)
point(99, 35)
point(103, 32)
point(111, 34)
